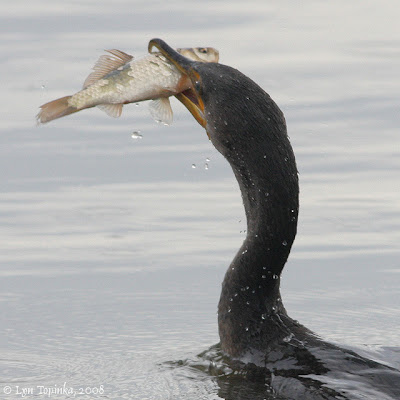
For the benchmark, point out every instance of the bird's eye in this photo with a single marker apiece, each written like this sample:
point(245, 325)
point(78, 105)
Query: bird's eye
point(203, 50)
point(198, 87)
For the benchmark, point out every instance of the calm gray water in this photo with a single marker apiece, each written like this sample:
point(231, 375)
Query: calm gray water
point(112, 249)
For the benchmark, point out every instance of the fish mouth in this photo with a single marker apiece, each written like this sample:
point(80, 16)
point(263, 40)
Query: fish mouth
point(190, 98)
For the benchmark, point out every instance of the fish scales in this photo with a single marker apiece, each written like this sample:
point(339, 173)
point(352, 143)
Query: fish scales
point(131, 84)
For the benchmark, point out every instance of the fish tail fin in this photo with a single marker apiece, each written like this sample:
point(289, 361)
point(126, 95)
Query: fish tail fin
point(55, 109)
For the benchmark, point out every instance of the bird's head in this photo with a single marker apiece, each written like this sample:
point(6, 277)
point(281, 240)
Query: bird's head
point(240, 118)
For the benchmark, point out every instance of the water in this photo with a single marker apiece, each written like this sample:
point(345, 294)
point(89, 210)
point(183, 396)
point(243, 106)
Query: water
point(112, 250)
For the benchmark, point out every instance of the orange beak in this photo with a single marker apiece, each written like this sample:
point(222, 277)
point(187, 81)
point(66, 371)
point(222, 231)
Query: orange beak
point(190, 98)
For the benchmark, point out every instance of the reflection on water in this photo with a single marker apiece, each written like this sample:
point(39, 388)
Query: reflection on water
point(112, 250)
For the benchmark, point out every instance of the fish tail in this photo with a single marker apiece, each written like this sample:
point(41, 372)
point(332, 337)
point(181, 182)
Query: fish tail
point(55, 109)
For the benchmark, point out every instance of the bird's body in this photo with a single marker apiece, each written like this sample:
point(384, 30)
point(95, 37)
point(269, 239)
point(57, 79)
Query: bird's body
point(249, 130)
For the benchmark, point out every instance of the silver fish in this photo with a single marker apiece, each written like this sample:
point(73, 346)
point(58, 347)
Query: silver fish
point(117, 80)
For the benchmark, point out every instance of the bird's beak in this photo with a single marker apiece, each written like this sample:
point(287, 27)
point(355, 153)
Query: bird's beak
point(189, 98)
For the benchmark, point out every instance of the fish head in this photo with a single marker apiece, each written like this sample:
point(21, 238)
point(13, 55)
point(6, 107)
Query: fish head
point(203, 54)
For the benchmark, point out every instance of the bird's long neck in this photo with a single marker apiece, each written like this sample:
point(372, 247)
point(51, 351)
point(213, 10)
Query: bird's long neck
point(250, 297)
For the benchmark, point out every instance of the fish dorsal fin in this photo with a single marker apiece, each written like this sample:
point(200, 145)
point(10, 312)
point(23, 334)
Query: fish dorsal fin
point(113, 110)
point(161, 111)
point(107, 63)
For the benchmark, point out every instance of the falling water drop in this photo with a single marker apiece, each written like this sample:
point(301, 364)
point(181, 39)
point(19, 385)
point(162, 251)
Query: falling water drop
point(193, 166)
point(206, 166)
point(136, 135)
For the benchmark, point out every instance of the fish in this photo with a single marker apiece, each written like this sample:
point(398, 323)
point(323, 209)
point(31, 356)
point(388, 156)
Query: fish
point(118, 79)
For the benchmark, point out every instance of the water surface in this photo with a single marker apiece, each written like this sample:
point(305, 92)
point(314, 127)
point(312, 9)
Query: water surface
point(112, 249)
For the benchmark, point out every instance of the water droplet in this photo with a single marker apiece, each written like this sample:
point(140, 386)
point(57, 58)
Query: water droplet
point(248, 303)
point(275, 276)
point(193, 166)
point(231, 299)
point(273, 308)
point(247, 287)
point(207, 159)
point(288, 338)
point(253, 291)
point(246, 329)
point(226, 123)
point(136, 135)
point(137, 104)
point(229, 309)
point(265, 156)
point(263, 276)
point(205, 166)
point(263, 316)
point(284, 243)
point(244, 251)
point(235, 294)
point(43, 87)
point(264, 267)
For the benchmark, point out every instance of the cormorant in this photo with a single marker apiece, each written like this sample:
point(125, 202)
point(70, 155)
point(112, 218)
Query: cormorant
point(249, 130)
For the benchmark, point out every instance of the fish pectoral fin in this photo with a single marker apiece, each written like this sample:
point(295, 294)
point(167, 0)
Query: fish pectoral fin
point(161, 111)
point(107, 63)
point(113, 110)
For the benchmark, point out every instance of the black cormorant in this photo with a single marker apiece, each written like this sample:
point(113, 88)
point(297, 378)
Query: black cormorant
point(249, 130)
